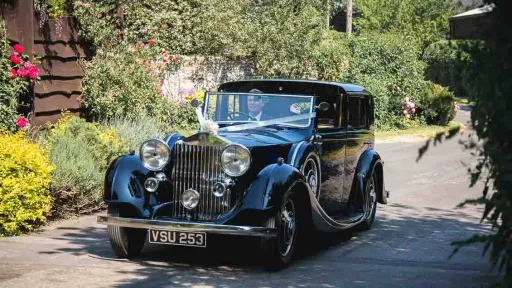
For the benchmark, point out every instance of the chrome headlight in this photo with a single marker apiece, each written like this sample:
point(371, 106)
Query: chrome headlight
point(235, 160)
point(154, 154)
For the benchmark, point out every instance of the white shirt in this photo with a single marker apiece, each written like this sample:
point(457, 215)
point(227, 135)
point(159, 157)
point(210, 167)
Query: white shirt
point(257, 117)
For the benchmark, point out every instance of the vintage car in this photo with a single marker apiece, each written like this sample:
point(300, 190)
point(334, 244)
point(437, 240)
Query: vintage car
point(272, 159)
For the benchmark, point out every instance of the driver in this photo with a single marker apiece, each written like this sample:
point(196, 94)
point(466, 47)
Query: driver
point(255, 106)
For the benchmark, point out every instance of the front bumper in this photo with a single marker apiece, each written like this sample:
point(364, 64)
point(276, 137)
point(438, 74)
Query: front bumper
point(187, 226)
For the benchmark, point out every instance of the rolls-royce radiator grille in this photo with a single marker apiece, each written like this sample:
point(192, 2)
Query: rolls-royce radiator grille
point(198, 168)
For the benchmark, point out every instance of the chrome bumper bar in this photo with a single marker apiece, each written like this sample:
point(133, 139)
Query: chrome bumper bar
point(187, 226)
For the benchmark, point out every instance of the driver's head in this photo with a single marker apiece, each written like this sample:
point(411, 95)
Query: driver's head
point(255, 103)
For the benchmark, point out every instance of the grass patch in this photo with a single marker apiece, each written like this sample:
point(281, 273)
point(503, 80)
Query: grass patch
point(421, 132)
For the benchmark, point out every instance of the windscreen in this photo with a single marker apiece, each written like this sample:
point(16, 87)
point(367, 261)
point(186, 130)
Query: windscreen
point(271, 109)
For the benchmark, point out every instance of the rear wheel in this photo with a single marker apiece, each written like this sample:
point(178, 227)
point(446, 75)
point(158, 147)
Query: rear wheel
point(279, 251)
point(370, 203)
point(125, 242)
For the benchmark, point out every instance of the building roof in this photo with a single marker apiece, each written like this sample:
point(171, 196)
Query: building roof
point(474, 13)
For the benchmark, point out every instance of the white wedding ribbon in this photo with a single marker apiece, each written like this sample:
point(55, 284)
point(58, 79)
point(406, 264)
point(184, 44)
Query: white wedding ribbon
point(253, 125)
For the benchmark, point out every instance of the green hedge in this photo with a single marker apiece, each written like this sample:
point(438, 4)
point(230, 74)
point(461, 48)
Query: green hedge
point(449, 64)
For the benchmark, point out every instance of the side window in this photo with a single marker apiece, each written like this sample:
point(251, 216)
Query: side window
point(360, 114)
point(354, 111)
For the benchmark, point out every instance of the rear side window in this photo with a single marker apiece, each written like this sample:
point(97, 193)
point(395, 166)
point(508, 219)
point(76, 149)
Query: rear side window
point(360, 111)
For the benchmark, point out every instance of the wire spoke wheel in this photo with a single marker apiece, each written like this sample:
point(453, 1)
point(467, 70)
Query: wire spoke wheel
point(288, 227)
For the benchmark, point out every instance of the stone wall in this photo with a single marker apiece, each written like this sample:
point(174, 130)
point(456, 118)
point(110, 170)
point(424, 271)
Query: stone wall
point(203, 72)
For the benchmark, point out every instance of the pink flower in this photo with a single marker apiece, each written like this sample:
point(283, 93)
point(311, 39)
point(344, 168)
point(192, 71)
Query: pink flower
point(164, 51)
point(408, 105)
point(15, 59)
point(408, 116)
point(23, 72)
point(411, 104)
point(13, 73)
point(413, 111)
point(33, 72)
point(404, 112)
point(152, 42)
point(406, 99)
point(21, 122)
point(18, 48)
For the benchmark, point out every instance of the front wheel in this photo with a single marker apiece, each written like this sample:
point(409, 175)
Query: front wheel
point(279, 251)
point(125, 242)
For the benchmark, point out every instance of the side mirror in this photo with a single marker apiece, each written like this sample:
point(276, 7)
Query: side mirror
point(324, 106)
point(195, 103)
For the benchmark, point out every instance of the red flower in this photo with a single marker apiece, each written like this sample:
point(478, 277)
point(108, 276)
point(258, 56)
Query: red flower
point(32, 83)
point(15, 59)
point(120, 36)
point(164, 51)
point(152, 42)
point(177, 59)
point(163, 60)
point(21, 122)
point(18, 48)
point(22, 72)
point(170, 57)
point(33, 72)
point(13, 73)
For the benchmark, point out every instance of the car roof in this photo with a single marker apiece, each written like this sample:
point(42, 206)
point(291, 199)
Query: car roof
point(349, 88)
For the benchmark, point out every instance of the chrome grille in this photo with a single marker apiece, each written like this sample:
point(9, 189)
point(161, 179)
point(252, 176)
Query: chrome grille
point(198, 168)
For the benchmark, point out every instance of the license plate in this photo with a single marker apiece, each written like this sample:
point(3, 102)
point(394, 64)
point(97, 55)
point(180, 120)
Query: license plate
point(196, 239)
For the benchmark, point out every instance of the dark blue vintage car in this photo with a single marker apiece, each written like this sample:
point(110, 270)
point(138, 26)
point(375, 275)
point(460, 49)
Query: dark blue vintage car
point(272, 159)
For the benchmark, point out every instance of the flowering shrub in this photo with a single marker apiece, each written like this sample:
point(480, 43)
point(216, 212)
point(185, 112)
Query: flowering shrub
point(24, 184)
point(16, 74)
point(124, 82)
point(81, 152)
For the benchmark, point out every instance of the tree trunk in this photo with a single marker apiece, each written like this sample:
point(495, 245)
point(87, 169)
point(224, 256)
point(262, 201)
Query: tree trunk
point(349, 17)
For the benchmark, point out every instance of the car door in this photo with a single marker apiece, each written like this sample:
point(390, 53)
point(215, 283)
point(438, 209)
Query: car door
point(332, 138)
point(359, 138)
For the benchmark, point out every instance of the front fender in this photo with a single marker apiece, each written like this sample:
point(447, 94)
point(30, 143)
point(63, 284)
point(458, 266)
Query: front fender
point(370, 162)
point(123, 184)
point(265, 193)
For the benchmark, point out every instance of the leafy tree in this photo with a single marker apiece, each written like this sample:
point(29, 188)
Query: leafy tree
point(426, 20)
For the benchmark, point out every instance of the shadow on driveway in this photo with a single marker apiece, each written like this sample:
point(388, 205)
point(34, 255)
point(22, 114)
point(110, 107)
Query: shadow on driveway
point(407, 246)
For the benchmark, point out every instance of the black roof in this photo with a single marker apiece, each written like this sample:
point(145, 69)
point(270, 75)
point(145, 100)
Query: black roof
point(346, 86)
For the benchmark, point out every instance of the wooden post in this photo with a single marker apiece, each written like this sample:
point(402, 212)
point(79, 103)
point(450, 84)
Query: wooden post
point(349, 17)
point(25, 23)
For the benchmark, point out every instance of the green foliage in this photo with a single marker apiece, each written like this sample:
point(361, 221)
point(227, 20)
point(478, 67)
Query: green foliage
point(81, 153)
point(492, 123)
point(426, 21)
point(24, 184)
point(388, 66)
point(126, 83)
point(449, 64)
point(10, 89)
point(284, 35)
point(438, 106)
point(332, 57)
point(135, 131)
point(185, 27)
point(56, 8)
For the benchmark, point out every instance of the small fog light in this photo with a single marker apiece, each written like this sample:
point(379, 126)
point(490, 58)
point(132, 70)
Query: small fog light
point(219, 189)
point(190, 199)
point(151, 184)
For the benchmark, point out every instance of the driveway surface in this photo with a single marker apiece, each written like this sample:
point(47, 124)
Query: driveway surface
point(408, 245)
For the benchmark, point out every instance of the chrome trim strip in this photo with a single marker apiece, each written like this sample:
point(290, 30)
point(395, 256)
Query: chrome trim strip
point(187, 226)
point(292, 162)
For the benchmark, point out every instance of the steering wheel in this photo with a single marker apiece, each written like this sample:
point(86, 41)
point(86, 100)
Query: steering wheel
point(230, 115)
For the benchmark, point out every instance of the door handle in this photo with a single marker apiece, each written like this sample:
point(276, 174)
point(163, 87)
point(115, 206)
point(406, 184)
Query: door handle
point(368, 142)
